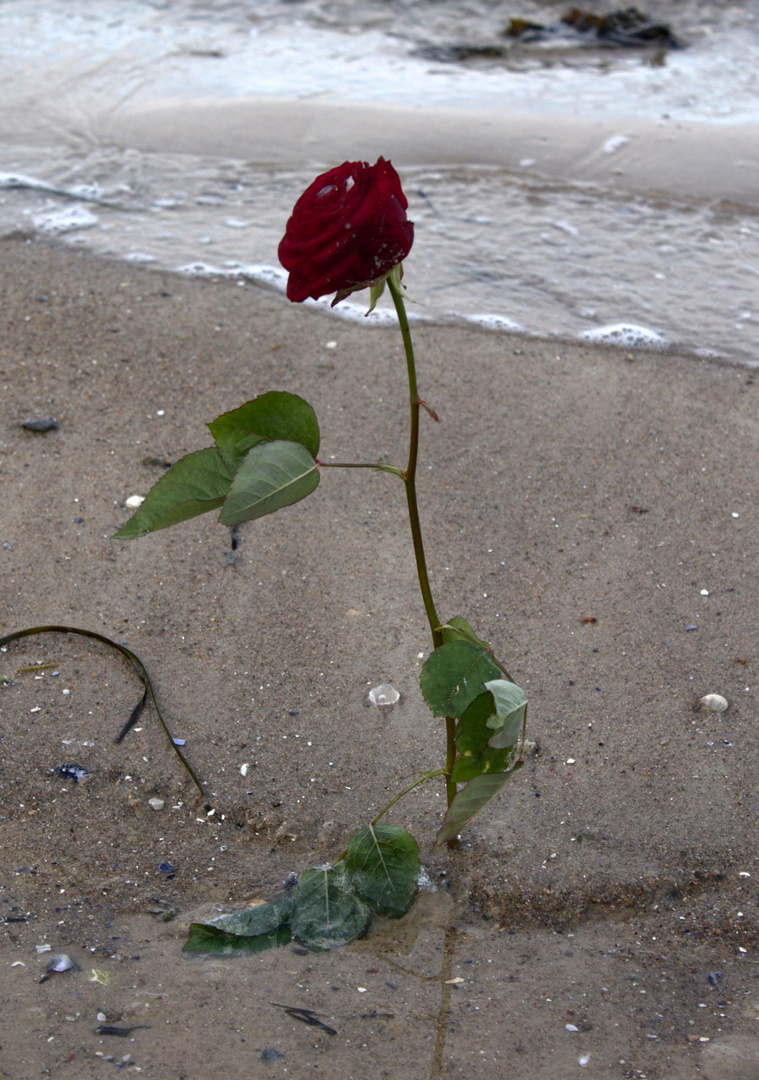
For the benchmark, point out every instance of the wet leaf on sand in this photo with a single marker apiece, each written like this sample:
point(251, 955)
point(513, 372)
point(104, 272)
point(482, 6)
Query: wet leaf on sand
point(207, 939)
point(382, 862)
point(327, 910)
point(251, 921)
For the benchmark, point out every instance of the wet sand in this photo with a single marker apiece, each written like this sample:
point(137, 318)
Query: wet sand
point(673, 157)
point(578, 503)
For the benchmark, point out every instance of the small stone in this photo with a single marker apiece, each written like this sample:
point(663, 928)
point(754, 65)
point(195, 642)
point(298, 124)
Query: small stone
point(270, 1054)
point(715, 702)
point(156, 804)
point(134, 501)
point(46, 423)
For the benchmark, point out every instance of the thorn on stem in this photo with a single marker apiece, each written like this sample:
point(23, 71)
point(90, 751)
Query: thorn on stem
point(429, 409)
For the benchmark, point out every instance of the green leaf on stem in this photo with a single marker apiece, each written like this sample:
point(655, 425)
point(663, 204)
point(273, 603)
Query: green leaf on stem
point(508, 719)
point(470, 800)
point(327, 911)
point(272, 416)
point(457, 628)
point(271, 476)
point(473, 754)
point(454, 675)
point(382, 862)
point(196, 484)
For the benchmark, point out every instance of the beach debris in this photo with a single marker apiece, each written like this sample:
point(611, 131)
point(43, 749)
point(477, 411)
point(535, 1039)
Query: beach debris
point(383, 695)
point(714, 978)
point(156, 804)
point(306, 1016)
point(525, 30)
point(167, 869)
point(45, 423)
point(623, 28)
point(715, 702)
point(458, 53)
point(72, 771)
point(270, 1054)
point(134, 501)
point(691, 626)
point(119, 1032)
point(99, 976)
point(571, 1027)
point(58, 964)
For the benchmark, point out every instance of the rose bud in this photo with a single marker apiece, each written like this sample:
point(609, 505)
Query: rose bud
point(347, 231)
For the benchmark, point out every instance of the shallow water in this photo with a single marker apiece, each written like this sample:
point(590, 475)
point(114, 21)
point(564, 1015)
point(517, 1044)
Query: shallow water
point(106, 145)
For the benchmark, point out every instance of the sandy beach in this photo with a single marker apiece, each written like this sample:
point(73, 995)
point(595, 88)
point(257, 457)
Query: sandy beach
point(591, 511)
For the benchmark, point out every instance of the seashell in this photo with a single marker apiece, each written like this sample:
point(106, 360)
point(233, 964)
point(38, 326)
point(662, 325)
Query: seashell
point(715, 702)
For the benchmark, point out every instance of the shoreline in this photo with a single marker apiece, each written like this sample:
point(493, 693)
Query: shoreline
point(665, 157)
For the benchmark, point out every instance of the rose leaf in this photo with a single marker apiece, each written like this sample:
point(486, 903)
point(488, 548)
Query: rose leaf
point(272, 475)
point(196, 484)
point(276, 415)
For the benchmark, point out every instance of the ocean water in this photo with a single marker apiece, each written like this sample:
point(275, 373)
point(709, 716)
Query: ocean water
point(558, 189)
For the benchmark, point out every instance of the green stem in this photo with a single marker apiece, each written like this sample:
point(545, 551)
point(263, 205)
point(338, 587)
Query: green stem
point(429, 775)
point(409, 477)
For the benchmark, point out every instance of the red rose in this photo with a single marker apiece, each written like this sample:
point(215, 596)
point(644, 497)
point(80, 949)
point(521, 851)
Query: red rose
point(347, 230)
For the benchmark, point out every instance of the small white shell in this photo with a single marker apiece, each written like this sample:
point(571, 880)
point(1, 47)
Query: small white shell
point(715, 702)
point(134, 501)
